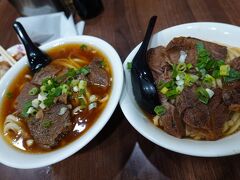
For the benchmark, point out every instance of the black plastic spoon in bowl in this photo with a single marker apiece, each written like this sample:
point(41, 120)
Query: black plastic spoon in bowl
point(144, 89)
point(36, 58)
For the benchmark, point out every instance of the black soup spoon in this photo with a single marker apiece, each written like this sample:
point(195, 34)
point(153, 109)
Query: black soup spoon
point(36, 58)
point(144, 89)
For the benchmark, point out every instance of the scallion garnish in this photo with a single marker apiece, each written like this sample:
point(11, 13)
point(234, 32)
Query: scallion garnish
point(233, 76)
point(9, 95)
point(47, 123)
point(26, 106)
point(224, 70)
point(33, 91)
point(160, 110)
point(129, 65)
point(164, 90)
point(203, 95)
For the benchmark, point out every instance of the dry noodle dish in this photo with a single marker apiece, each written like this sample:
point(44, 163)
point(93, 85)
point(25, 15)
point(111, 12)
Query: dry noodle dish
point(56, 105)
point(198, 84)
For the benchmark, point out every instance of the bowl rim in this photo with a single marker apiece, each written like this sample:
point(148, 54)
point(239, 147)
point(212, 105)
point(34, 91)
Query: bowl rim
point(44, 159)
point(130, 107)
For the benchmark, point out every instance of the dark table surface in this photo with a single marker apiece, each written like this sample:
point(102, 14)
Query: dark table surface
point(119, 151)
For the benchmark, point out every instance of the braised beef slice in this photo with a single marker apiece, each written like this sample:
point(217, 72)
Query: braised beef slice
point(186, 99)
point(158, 62)
point(208, 119)
point(24, 96)
point(188, 45)
point(172, 122)
point(231, 93)
point(49, 130)
point(49, 71)
point(195, 113)
point(235, 63)
point(219, 114)
point(98, 75)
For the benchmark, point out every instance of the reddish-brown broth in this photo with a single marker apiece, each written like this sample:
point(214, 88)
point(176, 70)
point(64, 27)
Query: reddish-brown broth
point(85, 121)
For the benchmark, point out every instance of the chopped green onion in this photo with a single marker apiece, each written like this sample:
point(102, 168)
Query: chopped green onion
point(224, 70)
point(175, 71)
point(82, 84)
point(189, 66)
point(33, 91)
point(47, 123)
point(9, 95)
point(82, 91)
point(83, 70)
point(216, 73)
point(26, 106)
point(31, 110)
point(210, 92)
point(74, 82)
point(82, 103)
point(92, 106)
point(49, 101)
point(233, 76)
point(102, 64)
point(75, 89)
point(50, 82)
point(190, 79)
point(181, 67)
point(203, 95)
point(160, 110)
point(129, 65)
point(164, 90)
point(210, 80)
point(83, 47)
point(35, 103)
point(65, 88)
point(58, 91)
point(179, 89)
point(172, 93)
point(71, 73)
point(43, 88)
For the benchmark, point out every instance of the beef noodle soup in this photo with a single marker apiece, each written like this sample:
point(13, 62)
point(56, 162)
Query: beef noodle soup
point(59, 103)
point(198, 84)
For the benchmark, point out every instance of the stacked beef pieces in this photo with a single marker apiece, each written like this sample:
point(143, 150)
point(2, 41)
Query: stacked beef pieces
point(60, 124)
point(186, 114)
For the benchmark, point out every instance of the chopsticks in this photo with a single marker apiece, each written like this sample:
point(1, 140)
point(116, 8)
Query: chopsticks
point(6, 56)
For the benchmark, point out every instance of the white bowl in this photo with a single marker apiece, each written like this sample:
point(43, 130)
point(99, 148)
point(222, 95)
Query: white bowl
point(18, 159)
point(218, 32)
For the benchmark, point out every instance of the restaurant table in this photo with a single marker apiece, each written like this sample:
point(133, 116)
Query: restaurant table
point(119, 151)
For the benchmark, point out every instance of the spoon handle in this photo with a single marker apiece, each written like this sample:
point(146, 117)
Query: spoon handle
point(36, 58)
point(148, 34)
point(27, 42)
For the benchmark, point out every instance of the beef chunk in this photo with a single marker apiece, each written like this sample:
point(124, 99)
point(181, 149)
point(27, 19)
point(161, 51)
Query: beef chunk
point(219, 114)
point(49, 71)
point(24, 96)
point(231, 93)
point(186, 99)
point(235, 63)
point(158, 62)
point(188, 45)
point(207, 119)
point(195, 113)
point(51, 127)
point(98, 75)
point(172, 122)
